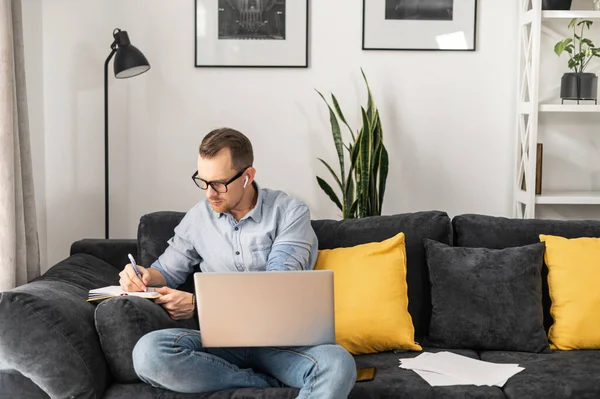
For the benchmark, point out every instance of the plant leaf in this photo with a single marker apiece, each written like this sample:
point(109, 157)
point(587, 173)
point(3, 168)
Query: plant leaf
point(337, 136)
point(337, 180)
point(336, 105)
point(364, 165)
point(352, 211)
point(329, 191)
point(370, 103)
point(383, 172)
point(573, 22)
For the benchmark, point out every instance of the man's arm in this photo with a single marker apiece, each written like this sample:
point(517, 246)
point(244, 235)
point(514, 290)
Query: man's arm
point(295, 244)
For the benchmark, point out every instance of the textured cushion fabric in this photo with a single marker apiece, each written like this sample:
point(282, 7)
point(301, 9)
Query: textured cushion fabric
point(486, 298)
point(47, 329)
point(573, 279)
point(472, 230)
point(371, 298)
point(415, 226)
point(14, 385)
point(112, 251)
point(121, 322)
point(156, 228)
point(141, 390)
point(555, 375)
point(393, 382)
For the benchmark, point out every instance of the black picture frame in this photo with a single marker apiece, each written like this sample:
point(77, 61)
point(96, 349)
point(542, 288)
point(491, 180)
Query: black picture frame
point(392, 27)
point(296, 37)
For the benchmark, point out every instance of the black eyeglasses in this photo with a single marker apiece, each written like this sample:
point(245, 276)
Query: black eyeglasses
point(218, 186)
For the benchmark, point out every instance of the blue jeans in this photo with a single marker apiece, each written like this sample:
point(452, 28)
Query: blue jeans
point(174, 359)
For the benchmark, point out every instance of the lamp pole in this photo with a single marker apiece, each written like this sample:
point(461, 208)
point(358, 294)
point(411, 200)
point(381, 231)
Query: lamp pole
point(113, 51)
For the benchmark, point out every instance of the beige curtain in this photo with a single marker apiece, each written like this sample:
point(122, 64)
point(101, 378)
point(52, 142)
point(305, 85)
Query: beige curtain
point(19, 248)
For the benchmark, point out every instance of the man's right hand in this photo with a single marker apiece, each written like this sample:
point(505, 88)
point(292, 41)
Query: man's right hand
point(130, 282)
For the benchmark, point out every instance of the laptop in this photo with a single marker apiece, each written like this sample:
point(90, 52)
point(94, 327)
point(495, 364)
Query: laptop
point(276, 308)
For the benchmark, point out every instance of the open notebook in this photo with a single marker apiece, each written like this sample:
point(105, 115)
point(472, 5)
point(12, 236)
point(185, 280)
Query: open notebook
point(115, 290)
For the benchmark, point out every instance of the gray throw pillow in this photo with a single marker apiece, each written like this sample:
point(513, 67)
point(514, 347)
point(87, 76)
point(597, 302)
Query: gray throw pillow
point(486, 299)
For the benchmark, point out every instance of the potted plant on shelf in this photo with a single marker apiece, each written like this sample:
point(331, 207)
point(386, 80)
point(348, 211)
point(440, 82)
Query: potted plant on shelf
point(578, 85)
point(362, 186)
point(556, 4)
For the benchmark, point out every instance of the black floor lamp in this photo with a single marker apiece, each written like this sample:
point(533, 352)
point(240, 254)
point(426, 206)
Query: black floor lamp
point(129, 62)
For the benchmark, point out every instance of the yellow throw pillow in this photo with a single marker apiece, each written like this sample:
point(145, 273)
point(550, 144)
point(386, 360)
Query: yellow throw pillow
point(371, 301)
point(573, 280)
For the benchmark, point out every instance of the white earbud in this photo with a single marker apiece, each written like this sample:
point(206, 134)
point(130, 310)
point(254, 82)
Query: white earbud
point(245, 181)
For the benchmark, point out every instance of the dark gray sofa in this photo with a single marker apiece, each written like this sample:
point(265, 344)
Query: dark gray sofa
point(55, 344)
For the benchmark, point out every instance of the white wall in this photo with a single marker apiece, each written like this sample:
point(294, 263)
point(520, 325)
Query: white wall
point(448, 117)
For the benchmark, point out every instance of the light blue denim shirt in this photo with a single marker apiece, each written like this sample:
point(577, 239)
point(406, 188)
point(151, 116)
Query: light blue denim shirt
point(276, 235)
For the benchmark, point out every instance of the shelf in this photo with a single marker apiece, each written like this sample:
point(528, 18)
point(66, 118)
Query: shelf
point(570, 14)
point(569, 108)
point(569, 198)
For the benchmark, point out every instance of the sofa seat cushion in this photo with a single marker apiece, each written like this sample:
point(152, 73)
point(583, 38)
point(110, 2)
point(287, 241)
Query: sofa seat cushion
point(393, 382)
point(47, 329)
point(558, 374)
point(14, 385)
point(141, 390)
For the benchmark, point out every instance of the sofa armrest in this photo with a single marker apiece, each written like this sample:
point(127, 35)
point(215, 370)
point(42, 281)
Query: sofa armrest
point(112, 251)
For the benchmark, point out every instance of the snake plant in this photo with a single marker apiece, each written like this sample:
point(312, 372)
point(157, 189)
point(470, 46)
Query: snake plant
point(362, 185)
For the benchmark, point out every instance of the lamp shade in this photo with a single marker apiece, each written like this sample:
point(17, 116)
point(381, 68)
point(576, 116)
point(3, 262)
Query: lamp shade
point(129, 61)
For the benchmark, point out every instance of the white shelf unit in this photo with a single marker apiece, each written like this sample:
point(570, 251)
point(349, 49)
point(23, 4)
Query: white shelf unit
point(531, 19)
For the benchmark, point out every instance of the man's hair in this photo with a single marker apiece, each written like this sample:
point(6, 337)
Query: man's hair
point(239, 145)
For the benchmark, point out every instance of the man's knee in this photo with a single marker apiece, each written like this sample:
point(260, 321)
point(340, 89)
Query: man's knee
point(338, 363)
point(145, 356)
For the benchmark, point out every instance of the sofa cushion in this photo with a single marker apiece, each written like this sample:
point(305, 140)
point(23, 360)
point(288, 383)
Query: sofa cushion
point(486, 298)
point(472, 230)
point(156, 228)
point(371, 296)
point(559, 374)
point(47, 329)
point(573, 277)
point(141, 390)
point(14, 385)
point(393, 382)
point(121, 322)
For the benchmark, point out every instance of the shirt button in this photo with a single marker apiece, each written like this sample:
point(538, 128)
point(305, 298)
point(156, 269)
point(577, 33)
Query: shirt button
point(237, 228)
point(237, 252)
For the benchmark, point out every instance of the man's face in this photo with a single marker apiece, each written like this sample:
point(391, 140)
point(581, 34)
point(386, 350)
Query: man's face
point(219, 169)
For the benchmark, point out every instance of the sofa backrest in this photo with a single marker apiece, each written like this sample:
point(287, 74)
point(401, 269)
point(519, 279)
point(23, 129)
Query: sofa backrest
point(155, 229)
point(472, 230)
point(415, 226)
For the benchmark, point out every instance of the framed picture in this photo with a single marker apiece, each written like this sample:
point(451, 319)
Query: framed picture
point(419, 25)
point(251, 33)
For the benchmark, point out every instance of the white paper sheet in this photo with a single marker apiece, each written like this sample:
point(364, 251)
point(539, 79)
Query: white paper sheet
point(115, 290)
point(443, 368)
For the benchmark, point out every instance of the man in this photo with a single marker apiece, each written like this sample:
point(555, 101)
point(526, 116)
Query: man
point(239, 227)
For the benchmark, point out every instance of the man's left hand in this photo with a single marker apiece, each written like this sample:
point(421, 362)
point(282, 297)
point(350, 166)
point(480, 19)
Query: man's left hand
point(179, 304)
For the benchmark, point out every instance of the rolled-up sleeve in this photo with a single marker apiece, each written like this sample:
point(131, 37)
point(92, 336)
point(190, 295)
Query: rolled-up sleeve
point(180, 257)
point(295, 244)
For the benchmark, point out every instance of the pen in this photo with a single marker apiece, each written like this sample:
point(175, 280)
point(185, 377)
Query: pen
point(134, 266)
